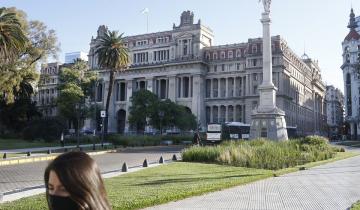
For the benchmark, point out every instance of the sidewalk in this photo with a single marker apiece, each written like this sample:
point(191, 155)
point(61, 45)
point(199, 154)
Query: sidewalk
point(331, 186)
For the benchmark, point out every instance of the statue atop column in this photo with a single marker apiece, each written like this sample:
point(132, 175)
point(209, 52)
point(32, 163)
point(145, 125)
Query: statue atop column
point(266, 4)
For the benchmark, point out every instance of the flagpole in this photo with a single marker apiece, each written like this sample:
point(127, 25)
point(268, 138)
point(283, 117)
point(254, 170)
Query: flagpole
point(147, 22)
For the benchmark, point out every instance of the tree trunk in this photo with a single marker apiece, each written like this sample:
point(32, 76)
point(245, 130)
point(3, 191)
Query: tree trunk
point(111, 84)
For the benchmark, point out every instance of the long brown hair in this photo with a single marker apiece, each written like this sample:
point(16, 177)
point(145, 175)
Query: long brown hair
point(81, 177)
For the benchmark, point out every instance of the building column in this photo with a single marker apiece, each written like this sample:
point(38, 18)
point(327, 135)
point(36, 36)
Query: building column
point(226, 113)
point(211, 88)
point(243, 83)
point(219, 88)
point(234, 113)
point(129, 91)
point(172, 88)
point(243, 113)
point(181, 87)
point(198, 104)
point(226, 87)
point(149, 84)
point(219, 113)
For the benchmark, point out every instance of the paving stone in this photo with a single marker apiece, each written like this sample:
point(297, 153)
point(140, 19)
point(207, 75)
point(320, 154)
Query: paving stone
point(333, 186)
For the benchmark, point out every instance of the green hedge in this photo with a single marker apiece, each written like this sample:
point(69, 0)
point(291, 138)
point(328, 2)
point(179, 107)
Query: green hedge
point(263, 153)
point(123, 140)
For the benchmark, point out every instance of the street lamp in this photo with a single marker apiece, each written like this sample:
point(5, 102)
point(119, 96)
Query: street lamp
point(161, 115)
point(77, 108)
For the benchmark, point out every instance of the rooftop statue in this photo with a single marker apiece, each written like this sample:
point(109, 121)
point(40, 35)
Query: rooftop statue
point(266, 4)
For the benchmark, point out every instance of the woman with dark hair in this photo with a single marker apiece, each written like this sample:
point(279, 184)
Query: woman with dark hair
point(73, 182)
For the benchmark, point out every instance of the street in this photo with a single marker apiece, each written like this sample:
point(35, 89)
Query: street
point(18, 177)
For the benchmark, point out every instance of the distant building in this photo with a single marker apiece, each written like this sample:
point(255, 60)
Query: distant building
point(357, 19)
point(71, 57)
point(335, 109)
point(216, 83)
point(47, 90)
point(351, 76)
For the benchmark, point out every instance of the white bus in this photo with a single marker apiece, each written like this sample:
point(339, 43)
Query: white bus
point(213, 133)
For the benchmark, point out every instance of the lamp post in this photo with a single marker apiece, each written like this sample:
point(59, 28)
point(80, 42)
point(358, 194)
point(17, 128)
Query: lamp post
point(161, 115)
point(77, 108)
point(95, 117)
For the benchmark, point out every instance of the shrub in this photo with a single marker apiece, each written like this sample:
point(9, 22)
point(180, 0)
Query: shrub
point(315, 140)
point(202, 154)
point(47, 129)
point(262, 153)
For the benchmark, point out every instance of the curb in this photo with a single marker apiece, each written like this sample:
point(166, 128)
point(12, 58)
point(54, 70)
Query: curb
point(42, 158)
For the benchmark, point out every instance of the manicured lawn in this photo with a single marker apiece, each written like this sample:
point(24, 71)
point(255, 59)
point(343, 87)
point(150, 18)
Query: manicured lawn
point(20, 143)
point(356, 206)
point(170, 182)
point(350, 143)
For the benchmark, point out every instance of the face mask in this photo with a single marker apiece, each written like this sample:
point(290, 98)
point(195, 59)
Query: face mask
point(62, 203)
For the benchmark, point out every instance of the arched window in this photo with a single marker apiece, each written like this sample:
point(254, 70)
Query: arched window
point(238, 53)
point(215, 56)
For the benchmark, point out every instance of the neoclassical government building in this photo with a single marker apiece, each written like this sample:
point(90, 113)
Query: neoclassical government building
point(217, 83)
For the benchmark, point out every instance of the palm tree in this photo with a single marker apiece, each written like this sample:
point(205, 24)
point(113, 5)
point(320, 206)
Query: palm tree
point(12, 37)
point(113, 56)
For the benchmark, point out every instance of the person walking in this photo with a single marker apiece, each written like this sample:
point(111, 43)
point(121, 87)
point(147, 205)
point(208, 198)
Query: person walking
point(73, 182)
point(196, 138)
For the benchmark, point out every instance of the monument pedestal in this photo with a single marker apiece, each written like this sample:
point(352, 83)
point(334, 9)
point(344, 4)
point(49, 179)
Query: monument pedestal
point(267, 120)
point(269, 125)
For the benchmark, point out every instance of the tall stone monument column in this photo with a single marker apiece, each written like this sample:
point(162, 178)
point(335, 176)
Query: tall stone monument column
point(267, 120)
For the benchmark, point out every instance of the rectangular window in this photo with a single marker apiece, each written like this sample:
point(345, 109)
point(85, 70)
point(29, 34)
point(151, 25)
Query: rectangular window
point(238, 66)
point(223, 67)
point(254, 62)
point(215, 68)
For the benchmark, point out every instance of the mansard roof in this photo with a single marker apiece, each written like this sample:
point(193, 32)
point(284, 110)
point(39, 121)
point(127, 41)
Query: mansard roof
point(352, 35)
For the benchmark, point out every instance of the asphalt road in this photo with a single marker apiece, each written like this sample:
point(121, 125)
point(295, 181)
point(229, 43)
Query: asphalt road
point(25, 176)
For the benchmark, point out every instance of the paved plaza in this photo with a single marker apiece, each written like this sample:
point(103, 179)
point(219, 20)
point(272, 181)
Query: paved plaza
point(332, 186)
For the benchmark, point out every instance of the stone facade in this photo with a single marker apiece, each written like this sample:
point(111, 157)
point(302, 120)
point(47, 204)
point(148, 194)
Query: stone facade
point(351, 58)
point(47, 90)
point(217, 83)
point(334, 109)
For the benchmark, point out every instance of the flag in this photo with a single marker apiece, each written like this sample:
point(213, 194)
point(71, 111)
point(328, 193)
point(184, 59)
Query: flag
point(145, 11)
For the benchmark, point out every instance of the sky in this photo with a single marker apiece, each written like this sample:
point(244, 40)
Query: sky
point(318, 26)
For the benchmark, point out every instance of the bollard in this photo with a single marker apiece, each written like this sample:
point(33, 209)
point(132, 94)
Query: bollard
point(28, 154)
point(174, 158)
point(80, 148)
point(49, 151)
point(124, 168)
point(161, 161)
point(4, 156)
point(145, 163)
point(94, 148)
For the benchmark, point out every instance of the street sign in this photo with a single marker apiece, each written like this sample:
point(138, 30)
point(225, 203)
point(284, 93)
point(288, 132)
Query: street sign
point(102, 114)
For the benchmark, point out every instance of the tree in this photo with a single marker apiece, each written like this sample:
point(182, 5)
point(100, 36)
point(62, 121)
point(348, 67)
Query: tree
point(19, 61)
point(76, 82)
point(113, 56)
point(146, 104)
point(12, 36)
